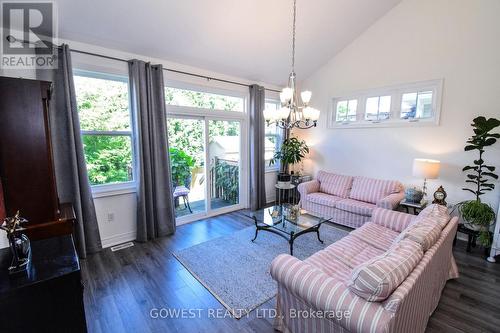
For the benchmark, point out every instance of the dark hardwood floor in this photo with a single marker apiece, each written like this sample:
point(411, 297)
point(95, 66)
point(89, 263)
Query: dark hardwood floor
point(123, 287)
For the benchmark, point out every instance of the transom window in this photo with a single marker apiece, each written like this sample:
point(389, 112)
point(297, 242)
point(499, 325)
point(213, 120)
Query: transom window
point(378, 108)
point(416, 105)
point(205, 100)
point(104, 113)
point(402, 105)
point(346, 110)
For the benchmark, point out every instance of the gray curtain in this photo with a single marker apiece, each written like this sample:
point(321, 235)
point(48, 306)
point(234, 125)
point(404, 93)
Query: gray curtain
point(69, 160)
point(155, 205)
point(257, 149)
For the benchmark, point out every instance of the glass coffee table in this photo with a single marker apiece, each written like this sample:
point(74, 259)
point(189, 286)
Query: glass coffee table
point(276, 219)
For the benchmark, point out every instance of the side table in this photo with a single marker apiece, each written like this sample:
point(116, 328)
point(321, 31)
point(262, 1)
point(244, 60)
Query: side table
point(285, 193)
point(417, 207)
point(471, 236)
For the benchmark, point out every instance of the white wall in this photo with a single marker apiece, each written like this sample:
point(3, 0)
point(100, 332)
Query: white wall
point(457, 40)
point(116, 216)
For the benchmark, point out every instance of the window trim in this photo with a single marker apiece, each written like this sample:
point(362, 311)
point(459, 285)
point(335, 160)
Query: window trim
point(347, 109)
point(396, 92)
point(276, 166)
point(110, 189)
point(179, 109)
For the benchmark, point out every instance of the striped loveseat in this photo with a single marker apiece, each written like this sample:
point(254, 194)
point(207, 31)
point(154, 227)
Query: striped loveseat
point(386, 276)
point(348, 200)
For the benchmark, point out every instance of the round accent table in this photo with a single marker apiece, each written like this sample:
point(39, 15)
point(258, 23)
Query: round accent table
point(286, 194)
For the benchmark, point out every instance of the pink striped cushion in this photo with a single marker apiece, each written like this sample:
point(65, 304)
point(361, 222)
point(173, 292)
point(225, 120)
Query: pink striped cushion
point(323, 199)
point(331, 183)
point(393, 220)
point(356, 207)
point(352, 251)
point(329, 264)
point(181, 190)
point(377, 236)
point(372, 190)
point(376, 279)
point(437, 212)
point(425, 231)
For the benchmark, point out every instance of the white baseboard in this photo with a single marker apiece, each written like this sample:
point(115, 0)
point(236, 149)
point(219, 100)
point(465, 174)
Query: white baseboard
point(118, 239)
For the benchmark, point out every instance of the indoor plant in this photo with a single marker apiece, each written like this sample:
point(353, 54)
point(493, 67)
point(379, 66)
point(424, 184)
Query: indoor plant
point(292, 151)
point(181, 164)
point(476, 214)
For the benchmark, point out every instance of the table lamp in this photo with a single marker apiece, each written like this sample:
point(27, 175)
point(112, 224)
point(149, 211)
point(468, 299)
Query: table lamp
point(426, 169)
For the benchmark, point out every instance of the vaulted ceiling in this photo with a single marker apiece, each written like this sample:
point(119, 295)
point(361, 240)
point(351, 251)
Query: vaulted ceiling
point(248, 39)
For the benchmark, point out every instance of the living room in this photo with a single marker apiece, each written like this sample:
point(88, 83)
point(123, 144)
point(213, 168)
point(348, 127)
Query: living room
point(299, 166)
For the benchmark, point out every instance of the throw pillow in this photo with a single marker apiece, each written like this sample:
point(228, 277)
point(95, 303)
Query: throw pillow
point(376, 279)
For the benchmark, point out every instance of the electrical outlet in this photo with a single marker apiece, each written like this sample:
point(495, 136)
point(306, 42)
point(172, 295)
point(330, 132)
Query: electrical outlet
point(111, 217)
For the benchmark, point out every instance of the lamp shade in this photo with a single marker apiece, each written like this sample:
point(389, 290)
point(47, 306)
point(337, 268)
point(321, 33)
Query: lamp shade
point(306, 96)
point(286, 94)
point(424, 168)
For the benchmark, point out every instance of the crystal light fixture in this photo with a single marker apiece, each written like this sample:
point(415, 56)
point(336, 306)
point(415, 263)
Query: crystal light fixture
point(292, 114)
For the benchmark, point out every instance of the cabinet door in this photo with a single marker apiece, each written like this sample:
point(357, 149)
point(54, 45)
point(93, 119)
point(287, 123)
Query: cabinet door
point(26, 168)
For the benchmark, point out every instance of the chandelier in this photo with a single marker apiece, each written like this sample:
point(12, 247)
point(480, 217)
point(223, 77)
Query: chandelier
point(292, 114)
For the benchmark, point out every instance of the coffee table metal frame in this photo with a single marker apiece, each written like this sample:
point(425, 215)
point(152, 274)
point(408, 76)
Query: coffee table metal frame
point(289, 236)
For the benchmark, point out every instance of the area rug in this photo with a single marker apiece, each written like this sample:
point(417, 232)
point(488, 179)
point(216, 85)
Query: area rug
point(236, 271)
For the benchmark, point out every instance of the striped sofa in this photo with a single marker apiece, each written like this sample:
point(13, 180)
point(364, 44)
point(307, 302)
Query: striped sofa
point(349, 200)
point(386, 276)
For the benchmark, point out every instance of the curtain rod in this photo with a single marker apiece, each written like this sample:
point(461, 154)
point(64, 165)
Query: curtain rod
point(12, 39)
point(209, 78)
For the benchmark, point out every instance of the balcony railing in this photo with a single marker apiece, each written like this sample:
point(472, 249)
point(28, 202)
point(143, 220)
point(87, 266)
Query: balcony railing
point(224, 175)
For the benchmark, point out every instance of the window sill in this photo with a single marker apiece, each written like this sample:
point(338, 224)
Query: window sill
point(271, 170)
point(100, 191)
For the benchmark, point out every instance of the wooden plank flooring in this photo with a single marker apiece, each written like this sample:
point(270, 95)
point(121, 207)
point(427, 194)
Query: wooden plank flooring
point(122, 287)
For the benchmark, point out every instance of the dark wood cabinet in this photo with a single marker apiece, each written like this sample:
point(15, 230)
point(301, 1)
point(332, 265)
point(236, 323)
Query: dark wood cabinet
point(49, 298)
point(26, 161)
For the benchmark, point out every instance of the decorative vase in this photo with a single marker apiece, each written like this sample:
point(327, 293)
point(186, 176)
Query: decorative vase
point(21, 253)
point(413, 195)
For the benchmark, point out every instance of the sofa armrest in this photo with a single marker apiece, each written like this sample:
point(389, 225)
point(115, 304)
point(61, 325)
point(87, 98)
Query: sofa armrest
point(391, 201)
point(391, 219)
point(308, 187)
point(329, 295)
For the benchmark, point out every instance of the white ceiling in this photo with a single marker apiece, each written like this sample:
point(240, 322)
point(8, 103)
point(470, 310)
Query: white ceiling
point(248, 39)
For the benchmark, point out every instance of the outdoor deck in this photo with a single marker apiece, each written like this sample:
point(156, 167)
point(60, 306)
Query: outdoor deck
point(199, 206)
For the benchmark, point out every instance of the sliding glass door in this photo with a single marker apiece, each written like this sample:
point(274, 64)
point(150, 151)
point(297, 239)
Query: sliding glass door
point(225, 158)
point(206, 160)
point(186, 138)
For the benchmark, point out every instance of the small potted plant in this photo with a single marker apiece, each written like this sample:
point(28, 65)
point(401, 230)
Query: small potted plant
point(292, 151)
point(477, 215)
point(181, 165)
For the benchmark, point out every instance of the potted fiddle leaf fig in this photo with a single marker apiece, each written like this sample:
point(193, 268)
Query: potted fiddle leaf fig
point(477, 215)
point(292, 151)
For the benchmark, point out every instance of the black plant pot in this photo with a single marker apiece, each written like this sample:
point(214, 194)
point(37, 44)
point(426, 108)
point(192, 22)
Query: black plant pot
point(284, 177)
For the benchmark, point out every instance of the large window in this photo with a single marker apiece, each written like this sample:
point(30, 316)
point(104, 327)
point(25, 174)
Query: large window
point(103, 109)
point(205, 100)
point(274, 137)
point(401, 105)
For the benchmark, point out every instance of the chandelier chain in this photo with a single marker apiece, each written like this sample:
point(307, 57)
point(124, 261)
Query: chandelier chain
point(293, 34)
point(292, 113)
